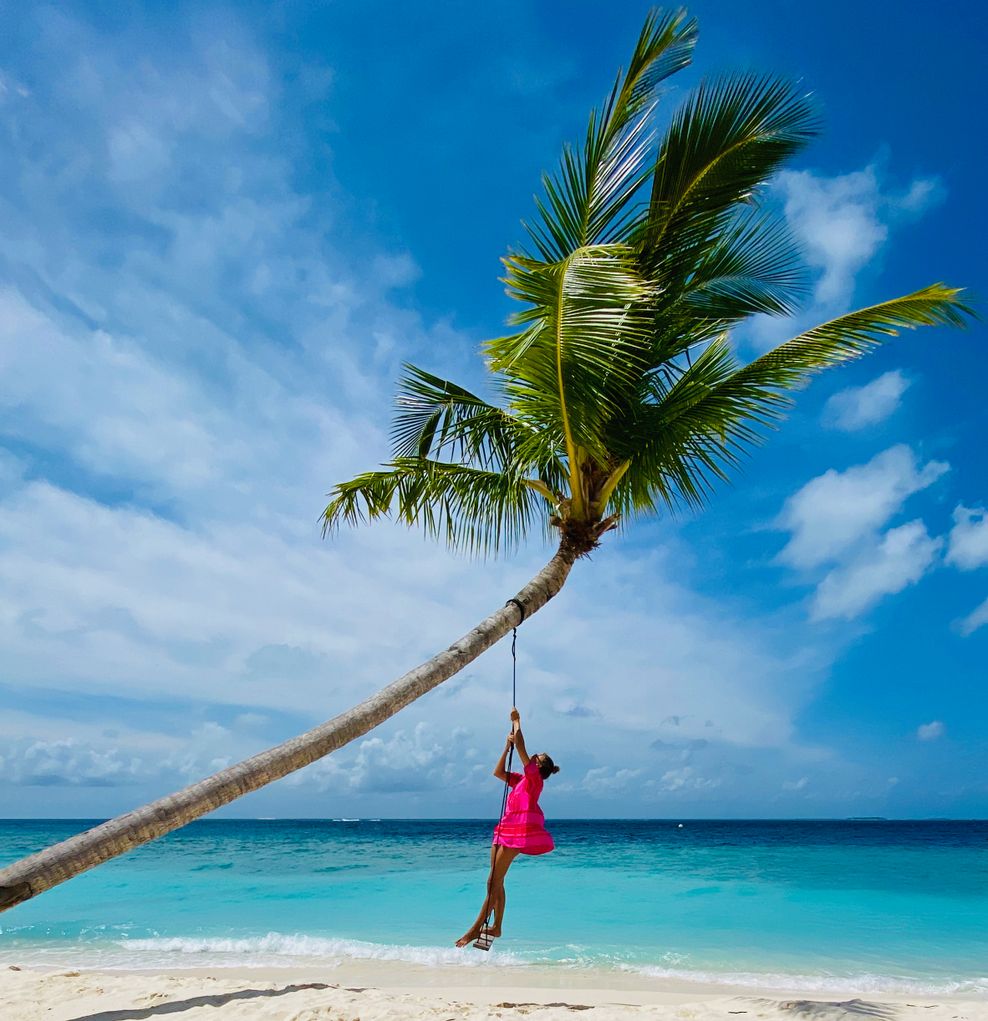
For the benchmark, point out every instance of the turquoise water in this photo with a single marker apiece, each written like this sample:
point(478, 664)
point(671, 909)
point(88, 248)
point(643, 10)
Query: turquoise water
point(894, 906)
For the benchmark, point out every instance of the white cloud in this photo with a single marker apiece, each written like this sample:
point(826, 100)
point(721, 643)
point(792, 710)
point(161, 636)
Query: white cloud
point(126, 601)
point(685, 778)
point(837, 510)
point(398, 270)
point(968, 550)
point(923, 193)
point(837, 220)
point(978, 618)
point(861, 406)
point(607, 780)
point(419, 760)
point(930, 731)
point(251, 720)
point(841, 224)
point(968, 545)
point(843, 221)
point(839, 519)
point(795, 785)
point(11, 471)
point(68, 762)
point(901, 558)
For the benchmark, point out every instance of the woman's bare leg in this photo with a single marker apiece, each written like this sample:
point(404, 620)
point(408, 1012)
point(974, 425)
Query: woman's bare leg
point(498, 895)
point(489, 901)
point(501, 859)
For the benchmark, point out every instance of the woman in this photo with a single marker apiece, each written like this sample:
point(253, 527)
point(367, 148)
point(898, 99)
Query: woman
point(520, 831)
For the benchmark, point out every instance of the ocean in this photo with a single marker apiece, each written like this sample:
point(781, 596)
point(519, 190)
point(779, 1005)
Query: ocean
point(879, 906)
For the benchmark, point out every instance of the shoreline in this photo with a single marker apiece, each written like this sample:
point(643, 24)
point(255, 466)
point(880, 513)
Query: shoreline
point(478, 971)
point(386, 990)
point(382, 991)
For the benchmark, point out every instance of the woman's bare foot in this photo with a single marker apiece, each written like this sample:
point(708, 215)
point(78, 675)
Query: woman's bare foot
point(469, 936)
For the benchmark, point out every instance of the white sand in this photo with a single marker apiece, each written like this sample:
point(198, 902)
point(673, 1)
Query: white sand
point(375, 992)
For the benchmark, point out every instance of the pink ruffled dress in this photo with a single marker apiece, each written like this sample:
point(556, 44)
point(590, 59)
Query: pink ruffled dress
point(522, 826)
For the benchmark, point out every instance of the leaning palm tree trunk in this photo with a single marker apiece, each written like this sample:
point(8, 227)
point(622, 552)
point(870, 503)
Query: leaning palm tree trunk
point(39, 872)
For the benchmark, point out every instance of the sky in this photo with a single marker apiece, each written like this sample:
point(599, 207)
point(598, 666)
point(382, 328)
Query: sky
point(224, 228)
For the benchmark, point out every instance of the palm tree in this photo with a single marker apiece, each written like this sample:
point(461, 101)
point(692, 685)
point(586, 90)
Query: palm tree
point(619, 392)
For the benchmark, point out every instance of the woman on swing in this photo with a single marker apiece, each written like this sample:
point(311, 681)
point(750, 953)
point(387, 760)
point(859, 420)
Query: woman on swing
point(520, 831)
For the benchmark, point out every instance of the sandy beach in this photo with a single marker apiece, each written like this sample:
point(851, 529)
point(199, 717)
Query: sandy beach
point(382, 991)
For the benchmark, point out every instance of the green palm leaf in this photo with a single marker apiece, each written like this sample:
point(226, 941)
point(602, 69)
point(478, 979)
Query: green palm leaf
point(752, 268)
point(722, 146)
point(849, 336)
point(469, 509)
point(687, 435)
point(436, 417)
point(588, 201)
point(584, 346)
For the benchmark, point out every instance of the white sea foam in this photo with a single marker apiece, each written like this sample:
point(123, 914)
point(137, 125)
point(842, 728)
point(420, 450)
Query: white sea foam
point(824, 983)
point(285, 948)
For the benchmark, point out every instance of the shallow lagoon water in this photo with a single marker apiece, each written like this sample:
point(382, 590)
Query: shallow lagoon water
point(880, 906)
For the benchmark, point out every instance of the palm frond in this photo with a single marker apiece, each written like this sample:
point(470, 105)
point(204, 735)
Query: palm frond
point(723, 144)
point(436, 416)
point(791, 364)
point(585, 341)
point(682, 438)
point(469, 509)
point(751, 266)
point(587, 201)
point(689, 434)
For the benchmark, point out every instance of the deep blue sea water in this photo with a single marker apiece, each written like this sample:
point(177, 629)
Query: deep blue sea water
point(893, 906)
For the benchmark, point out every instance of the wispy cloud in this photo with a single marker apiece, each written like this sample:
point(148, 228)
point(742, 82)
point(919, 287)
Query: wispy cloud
point(899, 559)
point(834, 512)
point(976, 619)
point(968, 550)
point(838, 521)
point(841, 223)
point(931, 731)
point(860, 406)
point(969, 538)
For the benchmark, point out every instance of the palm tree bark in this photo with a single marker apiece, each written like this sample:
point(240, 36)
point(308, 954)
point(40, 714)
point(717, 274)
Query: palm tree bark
point(30, 876)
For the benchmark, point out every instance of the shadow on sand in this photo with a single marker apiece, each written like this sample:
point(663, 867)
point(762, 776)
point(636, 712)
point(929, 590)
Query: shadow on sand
point(834, 1010)
point(177, 1006)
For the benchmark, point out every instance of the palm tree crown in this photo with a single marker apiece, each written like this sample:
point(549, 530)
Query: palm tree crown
point(620, 392)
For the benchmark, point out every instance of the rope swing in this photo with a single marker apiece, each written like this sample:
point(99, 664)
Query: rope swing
point(485, 940)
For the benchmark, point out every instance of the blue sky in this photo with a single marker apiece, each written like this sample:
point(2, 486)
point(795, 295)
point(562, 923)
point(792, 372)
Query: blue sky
point(224, 228)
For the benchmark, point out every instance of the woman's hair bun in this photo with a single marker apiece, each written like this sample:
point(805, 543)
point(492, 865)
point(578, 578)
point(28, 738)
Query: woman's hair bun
point(555, 769)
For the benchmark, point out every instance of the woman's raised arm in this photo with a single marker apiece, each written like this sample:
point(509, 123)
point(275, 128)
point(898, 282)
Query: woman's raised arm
point(499, 770)
point(519, 738)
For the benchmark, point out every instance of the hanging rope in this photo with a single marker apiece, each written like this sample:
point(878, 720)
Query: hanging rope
point(480, 942)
